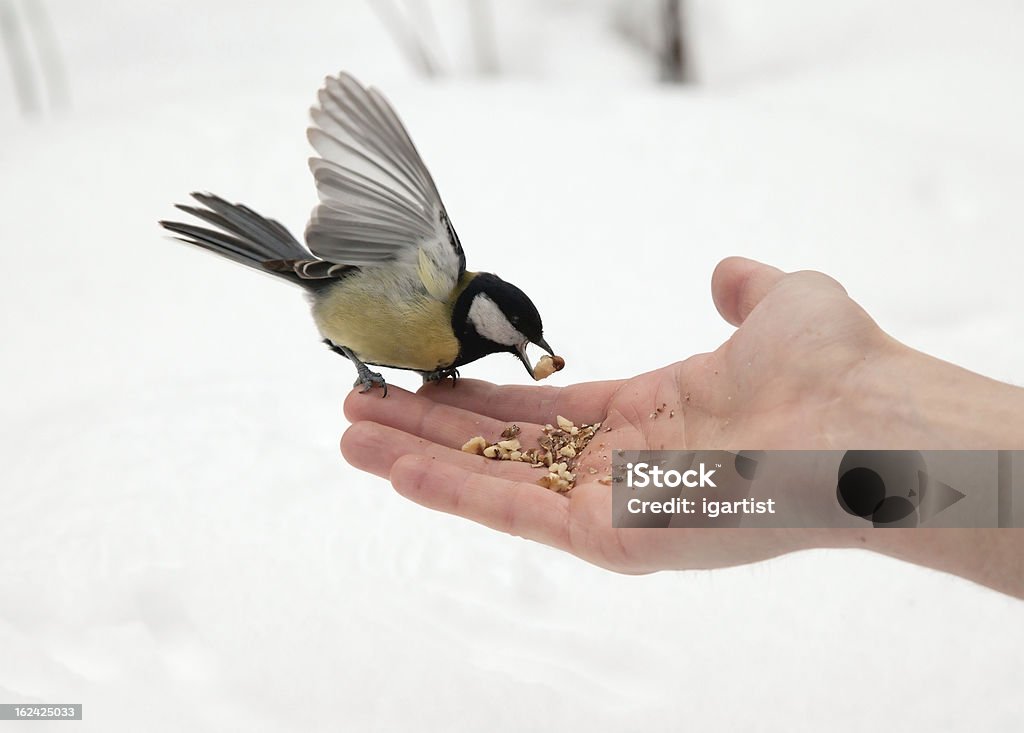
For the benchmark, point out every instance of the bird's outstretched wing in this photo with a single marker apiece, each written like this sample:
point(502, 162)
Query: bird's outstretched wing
point(378, 203)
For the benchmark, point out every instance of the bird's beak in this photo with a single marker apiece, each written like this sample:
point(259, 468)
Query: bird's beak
point(521, 353)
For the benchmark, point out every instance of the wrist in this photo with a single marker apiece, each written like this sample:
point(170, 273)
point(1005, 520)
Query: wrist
point(918, 402)
point(990, 557)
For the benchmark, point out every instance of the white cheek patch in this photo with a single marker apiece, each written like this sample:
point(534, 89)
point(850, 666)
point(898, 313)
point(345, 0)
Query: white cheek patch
point(491, 323)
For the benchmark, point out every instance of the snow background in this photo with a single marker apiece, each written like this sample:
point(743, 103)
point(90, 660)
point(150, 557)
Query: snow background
point(182, 547)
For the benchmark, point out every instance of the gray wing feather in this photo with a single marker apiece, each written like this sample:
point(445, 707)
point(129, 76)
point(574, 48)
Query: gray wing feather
point(365, 111)
point(340, 188)
point(378, 202)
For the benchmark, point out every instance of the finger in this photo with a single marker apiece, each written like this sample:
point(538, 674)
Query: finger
point(815, 279)
point(375, 448)
point(581, 403)
point(443, 424)
point(739, 284)
point(517, 508)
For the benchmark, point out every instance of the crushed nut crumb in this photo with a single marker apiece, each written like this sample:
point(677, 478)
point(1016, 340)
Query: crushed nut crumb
point(565, 442)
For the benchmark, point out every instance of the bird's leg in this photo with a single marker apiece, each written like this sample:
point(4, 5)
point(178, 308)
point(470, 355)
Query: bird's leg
point(437, 376)
point(369, 379)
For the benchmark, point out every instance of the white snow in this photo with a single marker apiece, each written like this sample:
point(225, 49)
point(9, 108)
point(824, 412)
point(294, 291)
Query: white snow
point(181, 545)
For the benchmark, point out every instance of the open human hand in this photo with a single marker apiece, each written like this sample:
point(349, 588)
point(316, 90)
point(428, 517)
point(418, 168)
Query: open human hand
point(791, 376)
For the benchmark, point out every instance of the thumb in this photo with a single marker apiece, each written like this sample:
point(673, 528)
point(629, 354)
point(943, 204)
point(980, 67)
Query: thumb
point(739, 284)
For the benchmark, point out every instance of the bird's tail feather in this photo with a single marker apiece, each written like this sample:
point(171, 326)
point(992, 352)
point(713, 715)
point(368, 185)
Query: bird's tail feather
point(241, 235)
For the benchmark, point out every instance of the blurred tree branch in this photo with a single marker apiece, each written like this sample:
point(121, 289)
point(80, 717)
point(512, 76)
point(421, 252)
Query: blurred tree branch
point(48, 51)
point(16, 31)
point(18, 58)
point(485, 42)
point(415, 34)
point(406, 37)
point(675, 66)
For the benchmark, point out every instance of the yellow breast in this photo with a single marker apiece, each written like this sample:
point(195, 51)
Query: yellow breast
point(387, 325)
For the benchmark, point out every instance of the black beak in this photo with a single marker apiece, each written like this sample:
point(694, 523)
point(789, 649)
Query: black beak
point(521, 353)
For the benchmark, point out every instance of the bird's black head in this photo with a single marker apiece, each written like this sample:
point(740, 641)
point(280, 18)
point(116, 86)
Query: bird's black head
point(492, 316)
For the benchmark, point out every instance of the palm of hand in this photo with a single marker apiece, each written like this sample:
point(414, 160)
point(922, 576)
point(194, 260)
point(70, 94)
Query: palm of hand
point(775, 382)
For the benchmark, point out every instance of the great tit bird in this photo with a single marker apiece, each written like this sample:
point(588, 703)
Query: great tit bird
point(385, 271)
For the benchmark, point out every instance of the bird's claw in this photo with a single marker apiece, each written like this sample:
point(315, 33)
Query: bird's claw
point(369, 380)
point(441, 374)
